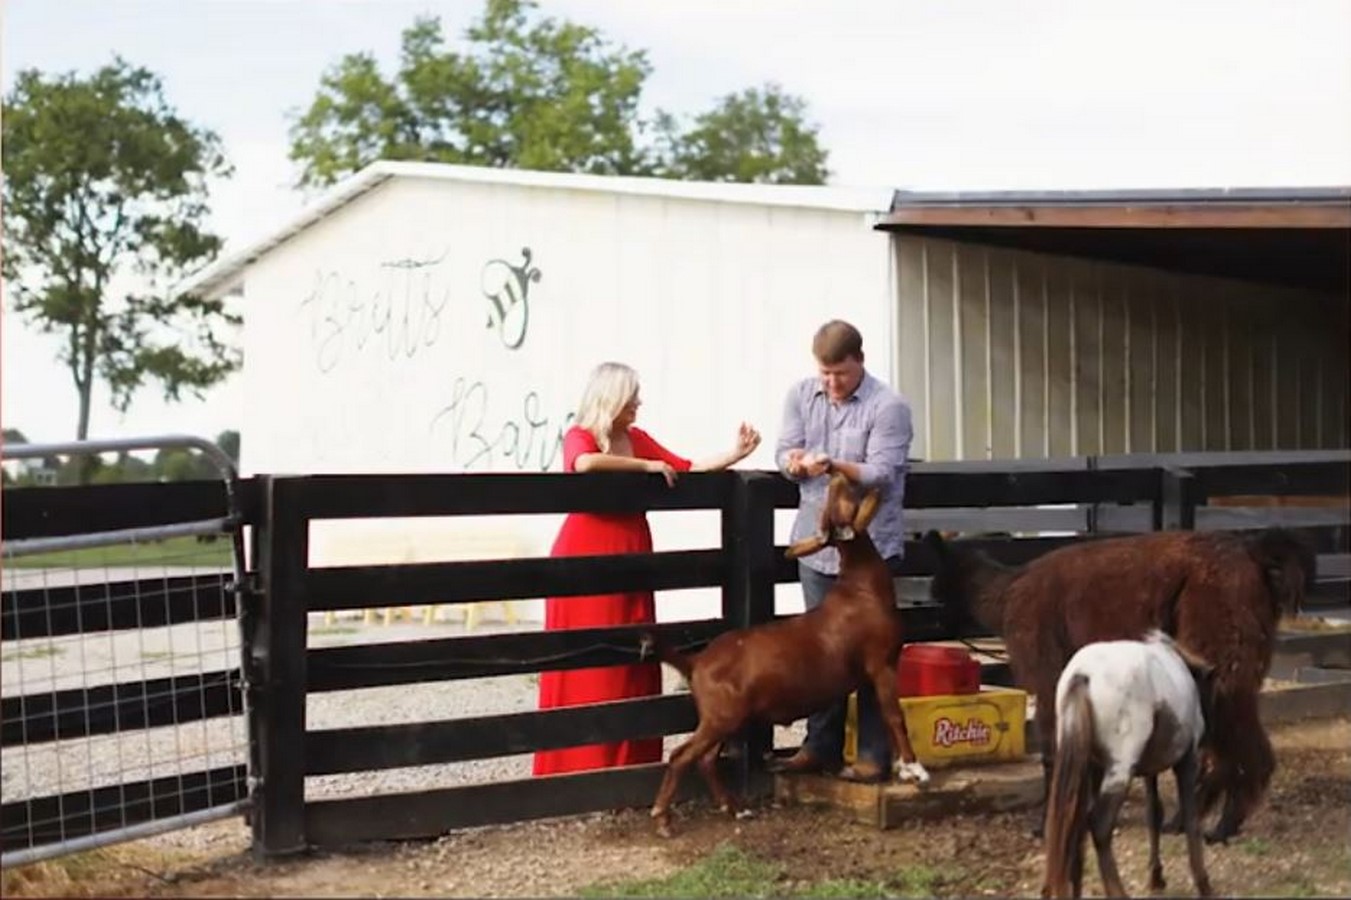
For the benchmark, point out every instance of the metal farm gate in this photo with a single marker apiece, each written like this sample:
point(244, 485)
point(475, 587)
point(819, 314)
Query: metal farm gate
point(123, 704)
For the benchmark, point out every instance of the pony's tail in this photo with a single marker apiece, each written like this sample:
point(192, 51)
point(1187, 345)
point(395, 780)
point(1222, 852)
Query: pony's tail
point(1288, 566)
point(1071, 791)
point(649, 645)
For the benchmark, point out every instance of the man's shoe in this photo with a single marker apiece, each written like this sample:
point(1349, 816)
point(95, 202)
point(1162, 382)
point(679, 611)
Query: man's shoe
point(802, 762)
point(865, 773)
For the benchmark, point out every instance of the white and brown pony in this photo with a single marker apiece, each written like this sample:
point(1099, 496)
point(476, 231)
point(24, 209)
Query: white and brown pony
point(1123, 708)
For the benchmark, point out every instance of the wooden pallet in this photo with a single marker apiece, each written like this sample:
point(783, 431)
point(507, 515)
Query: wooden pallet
point(994, 787)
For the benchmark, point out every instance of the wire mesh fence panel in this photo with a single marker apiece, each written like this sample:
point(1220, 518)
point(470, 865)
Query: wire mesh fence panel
point(120, 686)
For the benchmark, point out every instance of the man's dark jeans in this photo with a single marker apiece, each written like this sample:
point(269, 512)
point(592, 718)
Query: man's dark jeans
point(825, 729)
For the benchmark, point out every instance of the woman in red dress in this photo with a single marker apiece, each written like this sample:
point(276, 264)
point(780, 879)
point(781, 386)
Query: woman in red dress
point(604, 439)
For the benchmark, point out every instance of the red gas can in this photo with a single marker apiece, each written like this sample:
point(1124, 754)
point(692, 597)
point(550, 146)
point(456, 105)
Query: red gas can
point(927, 669)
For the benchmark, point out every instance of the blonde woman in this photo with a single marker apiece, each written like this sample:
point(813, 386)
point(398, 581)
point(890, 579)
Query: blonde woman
point(604, 439)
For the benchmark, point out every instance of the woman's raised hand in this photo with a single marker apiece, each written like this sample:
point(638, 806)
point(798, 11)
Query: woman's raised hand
point(747, 439)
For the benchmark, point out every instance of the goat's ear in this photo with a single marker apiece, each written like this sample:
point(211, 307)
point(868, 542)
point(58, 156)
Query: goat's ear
point(866, 510)
point(805, 547)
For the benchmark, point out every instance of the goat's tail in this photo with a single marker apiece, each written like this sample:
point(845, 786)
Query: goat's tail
point(649, 645)
point(1288, 566)
point(1071, 789)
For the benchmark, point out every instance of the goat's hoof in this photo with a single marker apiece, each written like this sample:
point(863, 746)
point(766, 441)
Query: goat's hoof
point(664, 829)
point(914, 771)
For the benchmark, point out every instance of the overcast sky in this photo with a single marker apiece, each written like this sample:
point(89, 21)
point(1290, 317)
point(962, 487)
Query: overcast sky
point(937, 94)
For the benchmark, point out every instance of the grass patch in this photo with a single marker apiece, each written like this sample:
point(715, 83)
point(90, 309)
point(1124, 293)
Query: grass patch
point(178, 551)
point(731, 872)
point(321, 630)
point(119, 871)
point(841, 888)
point(726, 872)
point(33, 653)
point(912, 881)
point(1254, 846)
point(1298, 886)
point(917, 881)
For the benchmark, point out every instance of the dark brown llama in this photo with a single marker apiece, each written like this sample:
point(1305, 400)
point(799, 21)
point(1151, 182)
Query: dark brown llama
point(783, 670)
point(1218, 594)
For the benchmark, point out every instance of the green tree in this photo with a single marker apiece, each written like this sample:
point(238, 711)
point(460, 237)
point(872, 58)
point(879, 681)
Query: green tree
point(83, 469)
point(104, 181)
point(759, 135)
point(537, 93)
point(131, 468)
point(228, 441)
point(183, 464)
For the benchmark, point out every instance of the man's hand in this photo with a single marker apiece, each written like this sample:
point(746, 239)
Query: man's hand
point(801, 464)
point(814, 464)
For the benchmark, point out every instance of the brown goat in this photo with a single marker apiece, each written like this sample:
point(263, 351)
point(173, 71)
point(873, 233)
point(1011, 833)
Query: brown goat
point(780, 671)
point(1218, 594)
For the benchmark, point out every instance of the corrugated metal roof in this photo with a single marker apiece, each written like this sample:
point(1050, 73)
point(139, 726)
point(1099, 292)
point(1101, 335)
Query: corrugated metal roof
point(224, 274)
point(1332, 194)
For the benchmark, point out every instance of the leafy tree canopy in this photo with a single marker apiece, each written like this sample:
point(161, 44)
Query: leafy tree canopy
point(104, 187)
point(537, 93)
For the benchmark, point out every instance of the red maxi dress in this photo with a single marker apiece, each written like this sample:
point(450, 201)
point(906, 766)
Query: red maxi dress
point(590, 534)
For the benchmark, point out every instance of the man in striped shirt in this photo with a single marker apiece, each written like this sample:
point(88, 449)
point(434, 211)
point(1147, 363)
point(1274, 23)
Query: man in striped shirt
point(844, 419)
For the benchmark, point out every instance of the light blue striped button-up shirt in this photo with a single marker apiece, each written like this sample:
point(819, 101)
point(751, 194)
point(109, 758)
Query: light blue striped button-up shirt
point(872, 428)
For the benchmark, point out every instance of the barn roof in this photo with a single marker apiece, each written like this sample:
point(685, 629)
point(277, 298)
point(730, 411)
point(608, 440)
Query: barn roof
point(1293, 236)
point(1296, 236)
point(222, 275)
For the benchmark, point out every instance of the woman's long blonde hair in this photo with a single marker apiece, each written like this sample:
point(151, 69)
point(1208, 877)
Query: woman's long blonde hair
point(609, 389)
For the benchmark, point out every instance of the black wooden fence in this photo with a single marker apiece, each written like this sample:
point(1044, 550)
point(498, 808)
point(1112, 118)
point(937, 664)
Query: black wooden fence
point(1133, 493)
point(1094, 495)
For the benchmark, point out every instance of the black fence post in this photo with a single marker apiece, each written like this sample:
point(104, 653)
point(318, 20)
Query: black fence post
point(1091, 519)
point(1176, 500)
point(748, 595)
point(277, 717)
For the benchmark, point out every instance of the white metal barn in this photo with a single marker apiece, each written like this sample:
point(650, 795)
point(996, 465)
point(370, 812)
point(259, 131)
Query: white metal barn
point(434, 318)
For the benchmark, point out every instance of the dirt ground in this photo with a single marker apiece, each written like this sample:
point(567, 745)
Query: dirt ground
point(1298, 844)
